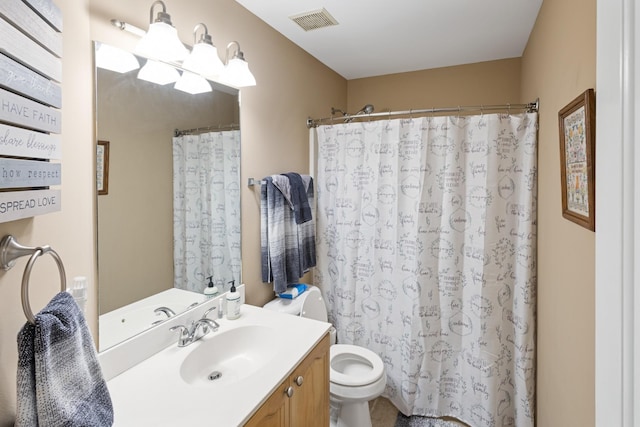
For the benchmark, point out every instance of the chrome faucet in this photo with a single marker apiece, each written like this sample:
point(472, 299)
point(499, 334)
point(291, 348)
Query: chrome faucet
point(165, 310)
point(192, 334)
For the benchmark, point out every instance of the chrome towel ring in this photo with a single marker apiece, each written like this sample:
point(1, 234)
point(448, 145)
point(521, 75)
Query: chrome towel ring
point(10, 250)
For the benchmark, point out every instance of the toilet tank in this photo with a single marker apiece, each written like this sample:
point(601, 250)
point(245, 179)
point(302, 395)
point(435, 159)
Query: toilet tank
point(309, 304)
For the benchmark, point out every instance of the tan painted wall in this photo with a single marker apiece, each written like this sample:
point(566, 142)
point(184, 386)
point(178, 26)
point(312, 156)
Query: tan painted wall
point(291, 86)
point(69, 232)
point(485, 83)
point(559, 63)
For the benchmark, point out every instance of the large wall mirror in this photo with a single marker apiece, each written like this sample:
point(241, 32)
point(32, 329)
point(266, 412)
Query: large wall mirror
point(168, 199)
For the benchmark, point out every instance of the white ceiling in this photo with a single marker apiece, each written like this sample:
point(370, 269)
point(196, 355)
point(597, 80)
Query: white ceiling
point(377, 37)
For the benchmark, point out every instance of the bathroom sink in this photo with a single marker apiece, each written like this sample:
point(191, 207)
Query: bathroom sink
point(229, 356)
point(245, 358)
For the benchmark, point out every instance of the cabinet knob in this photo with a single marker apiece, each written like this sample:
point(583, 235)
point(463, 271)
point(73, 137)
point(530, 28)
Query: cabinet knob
point(289, 391)
point(299, 380)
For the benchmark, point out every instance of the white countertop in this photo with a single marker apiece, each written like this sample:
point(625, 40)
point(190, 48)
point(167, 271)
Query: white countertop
point(153, 392)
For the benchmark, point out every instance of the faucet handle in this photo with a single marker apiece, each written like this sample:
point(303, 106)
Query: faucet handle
point(184, 338)
point(184, 329)
point(206, 313)
point(207, 323)
point(193, 304)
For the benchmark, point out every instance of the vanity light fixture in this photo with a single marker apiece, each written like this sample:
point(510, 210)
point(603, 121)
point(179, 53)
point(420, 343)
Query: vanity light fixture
point(203, 58)
point(162, 45)
point(236, 71)
point(114, 59)
point(158, 72)
point(161, 41)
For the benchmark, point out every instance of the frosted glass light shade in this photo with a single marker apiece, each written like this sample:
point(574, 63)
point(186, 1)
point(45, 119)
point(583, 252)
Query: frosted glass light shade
point(114, 59)
point(237, 74)
point(192, 83)
point(161, 42)
point(158, 73)
point(204, 60)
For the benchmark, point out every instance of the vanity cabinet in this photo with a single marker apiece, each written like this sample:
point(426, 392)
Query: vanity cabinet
point(302, 399)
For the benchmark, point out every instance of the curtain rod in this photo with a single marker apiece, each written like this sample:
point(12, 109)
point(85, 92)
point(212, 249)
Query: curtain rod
point(194, 131)
point(530, 107)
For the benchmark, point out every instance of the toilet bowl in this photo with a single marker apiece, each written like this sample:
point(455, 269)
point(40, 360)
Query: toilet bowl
point(356, 374)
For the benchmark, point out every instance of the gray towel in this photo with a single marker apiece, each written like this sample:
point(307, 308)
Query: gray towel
point(287, 249)
point(299, 199)
point(59, 381)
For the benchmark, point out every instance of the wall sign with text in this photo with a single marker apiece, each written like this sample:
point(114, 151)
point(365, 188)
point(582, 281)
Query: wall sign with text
point(30, 108)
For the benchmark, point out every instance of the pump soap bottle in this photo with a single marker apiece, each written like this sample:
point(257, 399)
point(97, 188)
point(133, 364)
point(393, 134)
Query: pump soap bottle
point(233, 302)
point(211, 290)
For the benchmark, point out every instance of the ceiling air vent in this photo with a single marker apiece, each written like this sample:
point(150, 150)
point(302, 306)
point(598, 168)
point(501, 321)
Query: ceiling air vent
point(313, 20)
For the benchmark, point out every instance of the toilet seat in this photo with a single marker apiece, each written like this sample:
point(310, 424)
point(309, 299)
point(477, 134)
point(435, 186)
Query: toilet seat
point(356, 374)
point(366, 366)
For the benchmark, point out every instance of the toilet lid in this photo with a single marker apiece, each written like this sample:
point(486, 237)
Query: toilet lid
point(313, 306)
point(309, 304)
point(352, 365)
point(284, 305)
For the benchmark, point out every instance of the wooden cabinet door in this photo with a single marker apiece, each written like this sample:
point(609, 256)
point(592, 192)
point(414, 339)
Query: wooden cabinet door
point(302, 399)
point(275, 411)
point(310, 382)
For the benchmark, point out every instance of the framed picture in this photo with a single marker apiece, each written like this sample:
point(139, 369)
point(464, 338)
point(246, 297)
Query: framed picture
point(577, 156)
point(102, 167)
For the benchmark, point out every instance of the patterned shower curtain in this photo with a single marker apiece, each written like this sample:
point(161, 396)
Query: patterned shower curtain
point(427, 255)
point(206, 210)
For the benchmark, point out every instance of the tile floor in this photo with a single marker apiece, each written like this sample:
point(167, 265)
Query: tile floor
point(384, 414)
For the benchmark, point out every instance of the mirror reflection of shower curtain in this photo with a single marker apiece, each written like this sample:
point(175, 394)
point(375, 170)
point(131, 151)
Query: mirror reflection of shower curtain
point(427, 256)
point(206, 209)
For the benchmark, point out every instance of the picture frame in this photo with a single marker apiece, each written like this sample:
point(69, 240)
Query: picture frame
point(102, 167)
point(577, 121)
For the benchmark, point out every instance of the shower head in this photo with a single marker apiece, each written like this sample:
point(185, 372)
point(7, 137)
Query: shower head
point(367, 109)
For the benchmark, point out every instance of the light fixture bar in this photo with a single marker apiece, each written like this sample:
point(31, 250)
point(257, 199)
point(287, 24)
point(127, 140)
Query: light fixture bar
point(128, 27)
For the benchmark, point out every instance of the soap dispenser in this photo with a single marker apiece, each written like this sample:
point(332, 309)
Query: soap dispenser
point(233, 302)
point(211, 290)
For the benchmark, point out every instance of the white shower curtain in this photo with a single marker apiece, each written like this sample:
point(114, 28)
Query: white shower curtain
point(427, 255)
point(206, 210)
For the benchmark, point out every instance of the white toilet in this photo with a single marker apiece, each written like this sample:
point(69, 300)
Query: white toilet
point(356, 374)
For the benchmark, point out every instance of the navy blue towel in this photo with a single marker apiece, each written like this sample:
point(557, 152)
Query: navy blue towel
point(299, 198)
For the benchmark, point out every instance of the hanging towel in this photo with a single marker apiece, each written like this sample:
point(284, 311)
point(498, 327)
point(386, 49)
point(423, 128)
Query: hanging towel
point(299, 199)
point(295, 188)
point(307, 230)
point(287, 248)
point(59, 380)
